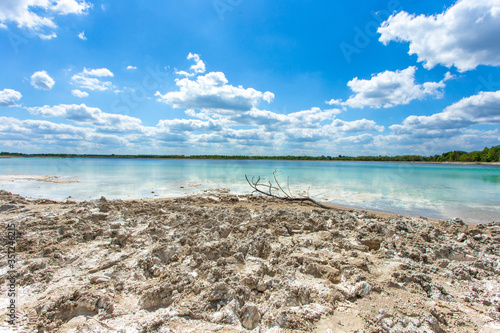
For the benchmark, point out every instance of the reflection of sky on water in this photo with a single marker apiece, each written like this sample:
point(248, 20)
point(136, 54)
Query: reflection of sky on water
point(471, 192)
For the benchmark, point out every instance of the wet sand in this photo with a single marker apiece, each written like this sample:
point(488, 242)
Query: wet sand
point(37, 178)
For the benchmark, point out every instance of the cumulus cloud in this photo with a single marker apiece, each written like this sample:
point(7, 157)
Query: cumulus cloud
point(222, 115)
point(41, 80)
point(230, 115)
point(307, 125)
point(81, 35)
point(9, 97)
point(360, 125)
point(388, 89)
point(84, 114)
point(79, 93)
point(462, 36)
point(9, 125)
point(189, 125)
point(131, 67)
point(212, 92)
point(89, 79)
point(99, 72)
point(46, 134)
point(355, 140)
point(334, 102)
point(483, 108)
point(332, 131)
point(315, 117)
point(197, 68)
point(90, 83)
point(38, 15)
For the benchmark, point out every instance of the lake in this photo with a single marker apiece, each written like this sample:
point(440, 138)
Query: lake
point(470, 192)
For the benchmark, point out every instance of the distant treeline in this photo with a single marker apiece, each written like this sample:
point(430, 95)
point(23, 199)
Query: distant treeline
point(486, 155)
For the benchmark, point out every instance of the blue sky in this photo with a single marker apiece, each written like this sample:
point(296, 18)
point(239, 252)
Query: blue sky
point(249, 77)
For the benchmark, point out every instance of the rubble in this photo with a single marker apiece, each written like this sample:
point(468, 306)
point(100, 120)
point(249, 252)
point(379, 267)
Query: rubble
point(227, 263)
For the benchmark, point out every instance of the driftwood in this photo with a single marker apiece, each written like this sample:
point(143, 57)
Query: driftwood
point(277, 191)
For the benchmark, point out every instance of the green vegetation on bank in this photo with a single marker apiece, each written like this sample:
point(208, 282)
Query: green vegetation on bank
point(486, 155)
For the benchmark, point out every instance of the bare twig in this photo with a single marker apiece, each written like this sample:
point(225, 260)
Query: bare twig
point(280, 192)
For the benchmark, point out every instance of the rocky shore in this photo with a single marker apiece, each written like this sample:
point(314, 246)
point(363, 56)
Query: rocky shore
point(227, 263)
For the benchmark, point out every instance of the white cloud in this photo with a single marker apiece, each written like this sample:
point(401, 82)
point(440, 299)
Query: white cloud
point(81, 35)
point(388, 89)
point(255, 117)
point(45, 135)
point(9, 97)
point(483, 108)
point(79, 93)
point(83, 114)
point(10, 125)
point(38, 15)
point(41, 80)
point(231, 116)
point(311, 118)
point(360, 125)
point(463, 36)
point(48, 36)
point(334, 102)
point(99, 72)
point(189, 125)
point(332, 131)
point(435, 142)
point(355, 140)
point(90, 83)
point(65, 7)
point(85, 80)
point(131, 67)
point(212, 92)
point(197, 68)
point(184, 73)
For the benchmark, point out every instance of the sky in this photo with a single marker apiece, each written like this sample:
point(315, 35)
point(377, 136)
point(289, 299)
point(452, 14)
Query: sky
point(241, 77)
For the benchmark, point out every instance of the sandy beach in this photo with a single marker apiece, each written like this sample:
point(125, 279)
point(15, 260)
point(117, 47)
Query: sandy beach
point(225, 263)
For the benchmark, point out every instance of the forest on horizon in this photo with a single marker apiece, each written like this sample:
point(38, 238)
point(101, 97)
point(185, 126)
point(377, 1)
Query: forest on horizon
point(486, 155)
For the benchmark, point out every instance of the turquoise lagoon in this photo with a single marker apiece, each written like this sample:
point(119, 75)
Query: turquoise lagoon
point(470, 192)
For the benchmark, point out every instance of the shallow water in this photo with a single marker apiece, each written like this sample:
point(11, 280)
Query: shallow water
point(471, 192)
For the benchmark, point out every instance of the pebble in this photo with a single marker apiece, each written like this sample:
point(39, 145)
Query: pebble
point(461, 237)
point(98, 279)
point(250, 317)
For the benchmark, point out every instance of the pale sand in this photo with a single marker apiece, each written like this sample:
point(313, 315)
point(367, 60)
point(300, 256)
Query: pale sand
point(38, 178)
point(226, 263)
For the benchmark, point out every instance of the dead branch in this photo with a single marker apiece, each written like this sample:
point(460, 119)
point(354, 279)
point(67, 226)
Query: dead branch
point(276, 191)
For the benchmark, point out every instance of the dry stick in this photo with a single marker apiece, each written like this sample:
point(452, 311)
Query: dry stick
point(278, 183)
point(254, 186)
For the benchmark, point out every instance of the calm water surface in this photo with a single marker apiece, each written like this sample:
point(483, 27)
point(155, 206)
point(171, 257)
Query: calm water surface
point(471, 192)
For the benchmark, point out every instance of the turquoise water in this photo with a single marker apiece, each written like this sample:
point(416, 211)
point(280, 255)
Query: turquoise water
point(471, 192)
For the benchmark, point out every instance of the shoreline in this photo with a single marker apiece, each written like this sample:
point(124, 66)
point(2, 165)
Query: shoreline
point(251, 159)
point(68, 180)
point(237, 263)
